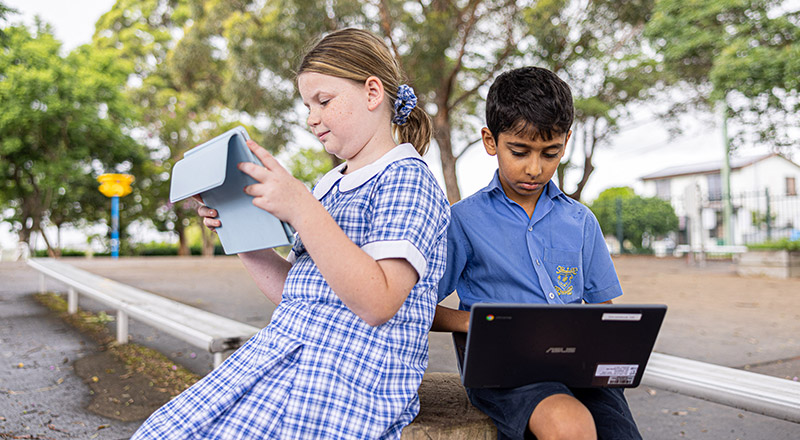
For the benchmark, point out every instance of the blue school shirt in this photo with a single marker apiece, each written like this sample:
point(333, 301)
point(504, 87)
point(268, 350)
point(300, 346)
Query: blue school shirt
point(496, 253)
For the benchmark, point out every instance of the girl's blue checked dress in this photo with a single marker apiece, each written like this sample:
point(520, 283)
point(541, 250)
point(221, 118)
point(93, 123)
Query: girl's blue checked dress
point(317, 370)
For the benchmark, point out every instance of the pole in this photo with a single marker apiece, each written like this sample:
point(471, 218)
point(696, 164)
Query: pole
point(725, 175)
point(115, 186)
point(115, 227)
point(619, 225)
point(769, 214)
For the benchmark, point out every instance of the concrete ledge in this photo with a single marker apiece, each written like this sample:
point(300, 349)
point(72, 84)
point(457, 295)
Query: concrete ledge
point(773, 264)
point(446, 413)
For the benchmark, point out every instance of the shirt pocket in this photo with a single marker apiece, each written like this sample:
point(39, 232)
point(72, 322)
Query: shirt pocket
point(565, 271)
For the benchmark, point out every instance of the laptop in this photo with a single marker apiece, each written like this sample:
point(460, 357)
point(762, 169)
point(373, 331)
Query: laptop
point(579, 345)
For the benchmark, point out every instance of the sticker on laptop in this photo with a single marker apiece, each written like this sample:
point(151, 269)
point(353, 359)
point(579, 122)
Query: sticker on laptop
point(617, 374)
point(622, 316)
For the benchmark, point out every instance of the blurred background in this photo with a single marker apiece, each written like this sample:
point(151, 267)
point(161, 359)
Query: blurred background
point(686, 132)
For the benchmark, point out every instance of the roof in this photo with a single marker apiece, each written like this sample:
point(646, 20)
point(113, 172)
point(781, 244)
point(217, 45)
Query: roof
point(711, 167)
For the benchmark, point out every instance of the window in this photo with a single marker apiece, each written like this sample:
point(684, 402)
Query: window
point(714, 187)
point(791, 186)
point(663, 189)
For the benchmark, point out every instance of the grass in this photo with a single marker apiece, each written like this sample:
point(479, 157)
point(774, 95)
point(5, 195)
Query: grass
point(159, 369)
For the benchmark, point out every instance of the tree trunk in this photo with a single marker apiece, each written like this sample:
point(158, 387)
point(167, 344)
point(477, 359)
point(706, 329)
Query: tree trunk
point(183, 245)
point(51, 252)
point(208, 241)
point(441, 133)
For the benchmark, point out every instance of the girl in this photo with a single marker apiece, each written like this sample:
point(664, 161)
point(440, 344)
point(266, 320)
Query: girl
point(346, 348)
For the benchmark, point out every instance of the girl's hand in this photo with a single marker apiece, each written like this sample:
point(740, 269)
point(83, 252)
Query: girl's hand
point(209, 215)
point(277, 191)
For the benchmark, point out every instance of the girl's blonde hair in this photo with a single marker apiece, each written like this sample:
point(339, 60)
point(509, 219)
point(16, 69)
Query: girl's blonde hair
point(356, 55)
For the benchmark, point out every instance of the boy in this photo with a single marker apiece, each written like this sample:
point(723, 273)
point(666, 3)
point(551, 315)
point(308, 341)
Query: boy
point(521, 240)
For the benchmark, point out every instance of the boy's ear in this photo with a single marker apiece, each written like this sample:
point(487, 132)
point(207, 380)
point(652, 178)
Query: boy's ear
point(375, 93)
point(488, 141)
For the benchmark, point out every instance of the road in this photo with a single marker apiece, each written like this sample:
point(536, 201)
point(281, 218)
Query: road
point(714, 316)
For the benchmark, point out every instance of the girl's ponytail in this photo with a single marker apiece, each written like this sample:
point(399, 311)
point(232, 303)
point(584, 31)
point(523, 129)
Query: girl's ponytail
point(417, 130)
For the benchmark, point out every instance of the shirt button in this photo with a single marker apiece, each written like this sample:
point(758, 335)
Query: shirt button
point(538, 263)
point(530, 229)
point(551, 295)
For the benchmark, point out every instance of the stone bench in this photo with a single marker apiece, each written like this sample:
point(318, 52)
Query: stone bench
point(446, 413)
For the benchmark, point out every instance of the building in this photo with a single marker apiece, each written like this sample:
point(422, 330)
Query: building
point(764, 196)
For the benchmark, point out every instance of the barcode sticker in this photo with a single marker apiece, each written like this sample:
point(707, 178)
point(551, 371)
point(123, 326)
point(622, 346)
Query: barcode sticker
point(618, 371)
point(622, 316)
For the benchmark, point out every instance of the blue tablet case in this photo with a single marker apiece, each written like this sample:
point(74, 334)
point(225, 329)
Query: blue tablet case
point(210, 169)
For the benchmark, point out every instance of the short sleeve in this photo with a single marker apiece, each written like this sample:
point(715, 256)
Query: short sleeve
point(407, 214)
point(457, 255)
point(600, 278)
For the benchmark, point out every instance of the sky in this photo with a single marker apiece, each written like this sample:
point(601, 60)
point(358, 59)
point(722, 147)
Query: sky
point(635, 152)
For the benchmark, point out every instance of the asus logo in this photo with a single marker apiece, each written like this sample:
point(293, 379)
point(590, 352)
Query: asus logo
point(566, 350)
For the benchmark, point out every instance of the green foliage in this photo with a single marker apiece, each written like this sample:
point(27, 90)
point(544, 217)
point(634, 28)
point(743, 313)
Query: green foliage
point(783, 244)
point(641, 216)
point(64, 253)
point(597, 47)
point(759, 219)
point(310, 164)
point(63, 122)
point(177, 77)
point(746, 49)
point(449, 49)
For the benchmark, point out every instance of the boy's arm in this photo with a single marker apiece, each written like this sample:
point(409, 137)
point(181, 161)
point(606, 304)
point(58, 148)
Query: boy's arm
point(450, 320)
point(458, 252)
point(601, 283)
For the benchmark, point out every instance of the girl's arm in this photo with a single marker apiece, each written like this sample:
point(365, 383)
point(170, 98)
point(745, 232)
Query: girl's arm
point(267, 268)
point(373, 290)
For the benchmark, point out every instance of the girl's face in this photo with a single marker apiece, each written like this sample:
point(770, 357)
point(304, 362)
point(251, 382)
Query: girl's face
point(340, 113)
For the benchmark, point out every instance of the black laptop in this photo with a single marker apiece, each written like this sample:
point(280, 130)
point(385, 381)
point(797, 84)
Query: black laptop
point(580, 345)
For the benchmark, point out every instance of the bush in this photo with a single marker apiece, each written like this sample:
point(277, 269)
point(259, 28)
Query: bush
point(641, 216)
point(776, 245)
point(152, 249)
point(42, 253)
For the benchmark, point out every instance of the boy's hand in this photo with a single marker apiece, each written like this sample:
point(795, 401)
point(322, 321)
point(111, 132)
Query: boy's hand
point(277, 191)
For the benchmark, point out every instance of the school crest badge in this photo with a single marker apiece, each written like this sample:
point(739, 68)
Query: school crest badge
point(564, 276)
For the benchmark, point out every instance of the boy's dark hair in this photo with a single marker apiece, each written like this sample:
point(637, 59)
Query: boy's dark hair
point(529, 100)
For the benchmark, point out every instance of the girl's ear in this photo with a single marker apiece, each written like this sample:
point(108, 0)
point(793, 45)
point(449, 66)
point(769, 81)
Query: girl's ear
point(375, 93)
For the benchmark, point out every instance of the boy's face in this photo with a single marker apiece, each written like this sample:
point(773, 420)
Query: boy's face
point(525, 164)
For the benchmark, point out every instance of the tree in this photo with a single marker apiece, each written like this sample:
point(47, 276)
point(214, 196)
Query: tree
point(640, 216)
point(5, 11)
point(190, 90)
point(597, 46)
point(742, 54)
point(451, 50)
point(63, 122)
point(177, 90)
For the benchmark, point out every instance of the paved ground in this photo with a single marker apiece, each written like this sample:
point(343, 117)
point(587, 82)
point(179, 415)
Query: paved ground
point(714, 316)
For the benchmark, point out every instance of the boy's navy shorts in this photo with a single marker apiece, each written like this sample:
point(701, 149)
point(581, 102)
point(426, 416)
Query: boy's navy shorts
point(511, 408)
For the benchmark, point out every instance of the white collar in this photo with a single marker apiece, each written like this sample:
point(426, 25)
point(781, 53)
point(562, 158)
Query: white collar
point(360, 176)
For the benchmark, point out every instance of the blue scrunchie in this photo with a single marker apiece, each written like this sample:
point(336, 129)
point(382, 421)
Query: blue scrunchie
point(405, 102)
